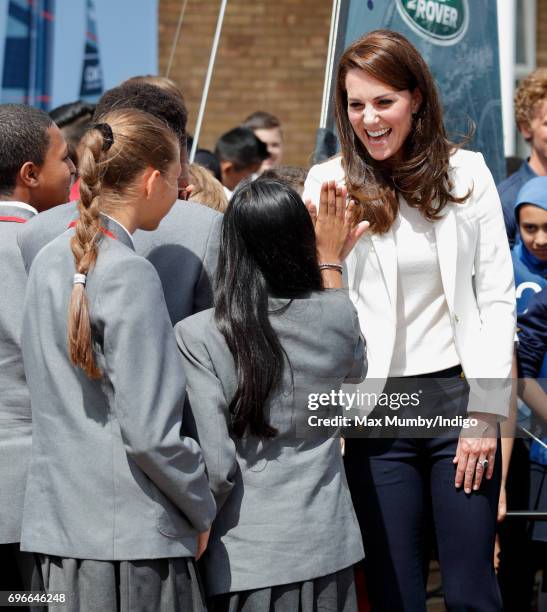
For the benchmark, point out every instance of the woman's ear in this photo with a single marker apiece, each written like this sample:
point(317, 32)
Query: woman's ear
point(151, 177)
point(417, 100)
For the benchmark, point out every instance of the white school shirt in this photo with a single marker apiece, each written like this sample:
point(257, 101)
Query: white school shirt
point(23, 205)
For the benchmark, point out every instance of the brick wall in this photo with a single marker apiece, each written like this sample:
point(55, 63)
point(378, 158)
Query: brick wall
point(271, 57)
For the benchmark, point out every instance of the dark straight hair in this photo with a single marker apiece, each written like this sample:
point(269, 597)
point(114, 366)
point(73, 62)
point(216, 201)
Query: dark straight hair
point(267, 248)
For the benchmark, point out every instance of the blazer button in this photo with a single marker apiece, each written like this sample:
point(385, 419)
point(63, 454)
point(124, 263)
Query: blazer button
point(456, 318)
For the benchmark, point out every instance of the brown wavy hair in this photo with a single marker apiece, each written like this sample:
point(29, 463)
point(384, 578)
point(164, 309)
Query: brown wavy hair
point(422, 178)
point(108, 179)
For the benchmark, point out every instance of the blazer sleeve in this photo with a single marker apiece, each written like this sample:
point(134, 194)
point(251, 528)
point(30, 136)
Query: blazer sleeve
point(360, 363)
point(144, 366)
point(331, 170)
point(312, 185)
point(495, 296)
point(203, 294)
point(533, 336)
point(209, 412)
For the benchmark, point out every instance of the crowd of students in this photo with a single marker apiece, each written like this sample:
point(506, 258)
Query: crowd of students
point(160, 323)
point(523, 197)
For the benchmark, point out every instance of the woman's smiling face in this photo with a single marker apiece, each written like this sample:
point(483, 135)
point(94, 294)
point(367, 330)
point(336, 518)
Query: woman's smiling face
point(381, 116)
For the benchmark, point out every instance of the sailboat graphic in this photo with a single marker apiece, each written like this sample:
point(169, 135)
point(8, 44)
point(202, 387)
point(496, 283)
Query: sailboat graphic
point(92, 76)
point(28, 53)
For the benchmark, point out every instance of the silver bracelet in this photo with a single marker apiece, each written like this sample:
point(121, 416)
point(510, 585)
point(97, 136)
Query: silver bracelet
point(330, 266)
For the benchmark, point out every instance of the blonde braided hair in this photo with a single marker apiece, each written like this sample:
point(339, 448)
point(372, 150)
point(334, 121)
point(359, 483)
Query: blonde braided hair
point(114, 153)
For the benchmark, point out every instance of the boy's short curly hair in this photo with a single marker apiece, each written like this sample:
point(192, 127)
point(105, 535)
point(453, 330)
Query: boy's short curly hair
point(531, 91)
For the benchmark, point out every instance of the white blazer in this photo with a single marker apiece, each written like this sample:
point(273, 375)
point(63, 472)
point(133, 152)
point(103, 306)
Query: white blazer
point(477, 277)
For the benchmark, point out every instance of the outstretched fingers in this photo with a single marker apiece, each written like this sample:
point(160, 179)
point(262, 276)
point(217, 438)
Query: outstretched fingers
point(312, 209)
point(340, 197)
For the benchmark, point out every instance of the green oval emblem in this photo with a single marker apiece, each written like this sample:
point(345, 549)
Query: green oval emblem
point(443, 22)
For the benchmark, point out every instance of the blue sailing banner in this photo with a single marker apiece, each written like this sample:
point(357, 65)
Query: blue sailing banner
point(92, 77)
point(57, 51)
point(459, 41)
point(28, 52)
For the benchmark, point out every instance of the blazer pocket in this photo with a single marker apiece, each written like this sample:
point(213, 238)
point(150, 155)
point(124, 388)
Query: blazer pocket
point(170, 521)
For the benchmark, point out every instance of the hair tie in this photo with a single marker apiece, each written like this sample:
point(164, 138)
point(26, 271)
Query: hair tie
point(79, 279)
point(108, 135)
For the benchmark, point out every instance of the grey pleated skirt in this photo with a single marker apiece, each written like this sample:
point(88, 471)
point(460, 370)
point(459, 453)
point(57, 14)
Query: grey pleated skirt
point(166, 585)
point(332, 593)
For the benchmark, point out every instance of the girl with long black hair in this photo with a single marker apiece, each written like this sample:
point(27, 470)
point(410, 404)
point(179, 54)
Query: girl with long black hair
point(285, 536)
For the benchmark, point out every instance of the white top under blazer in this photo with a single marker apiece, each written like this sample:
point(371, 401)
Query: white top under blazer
point(424, 341)
point(477, 280)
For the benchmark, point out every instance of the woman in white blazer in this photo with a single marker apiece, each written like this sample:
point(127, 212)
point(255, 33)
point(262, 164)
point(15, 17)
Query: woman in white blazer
point(433, 286)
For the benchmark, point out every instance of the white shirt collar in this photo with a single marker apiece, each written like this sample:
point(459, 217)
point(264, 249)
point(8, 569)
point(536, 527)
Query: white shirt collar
point(20, 205)
point(121, 225)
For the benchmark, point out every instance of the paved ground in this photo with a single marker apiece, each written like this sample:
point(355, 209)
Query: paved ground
point(434, 604)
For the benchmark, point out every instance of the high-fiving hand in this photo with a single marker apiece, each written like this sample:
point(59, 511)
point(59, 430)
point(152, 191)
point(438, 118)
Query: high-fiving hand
point(336, 228)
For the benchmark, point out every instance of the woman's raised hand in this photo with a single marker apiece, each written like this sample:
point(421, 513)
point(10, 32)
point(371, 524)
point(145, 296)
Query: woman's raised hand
point(335, 227)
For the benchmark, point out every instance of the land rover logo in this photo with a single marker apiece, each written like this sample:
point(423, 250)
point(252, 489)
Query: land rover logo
point(443, 22)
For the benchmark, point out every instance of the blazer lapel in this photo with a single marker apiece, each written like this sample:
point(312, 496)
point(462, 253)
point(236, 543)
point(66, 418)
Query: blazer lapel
point(447, 249)
point(384, 245)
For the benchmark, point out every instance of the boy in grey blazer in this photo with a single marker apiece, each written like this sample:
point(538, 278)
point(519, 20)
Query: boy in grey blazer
point(184, 247)
point(35, 173)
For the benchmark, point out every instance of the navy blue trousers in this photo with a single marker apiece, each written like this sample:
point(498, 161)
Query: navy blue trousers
point(402, 489)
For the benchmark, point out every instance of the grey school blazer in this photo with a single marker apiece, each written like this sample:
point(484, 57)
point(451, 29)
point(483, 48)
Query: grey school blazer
point(285, 511)
point(111, 477)
point(15, 415)
point(183, 249)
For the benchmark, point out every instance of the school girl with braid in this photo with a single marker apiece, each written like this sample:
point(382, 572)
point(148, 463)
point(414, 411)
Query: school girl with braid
point(117, 502)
